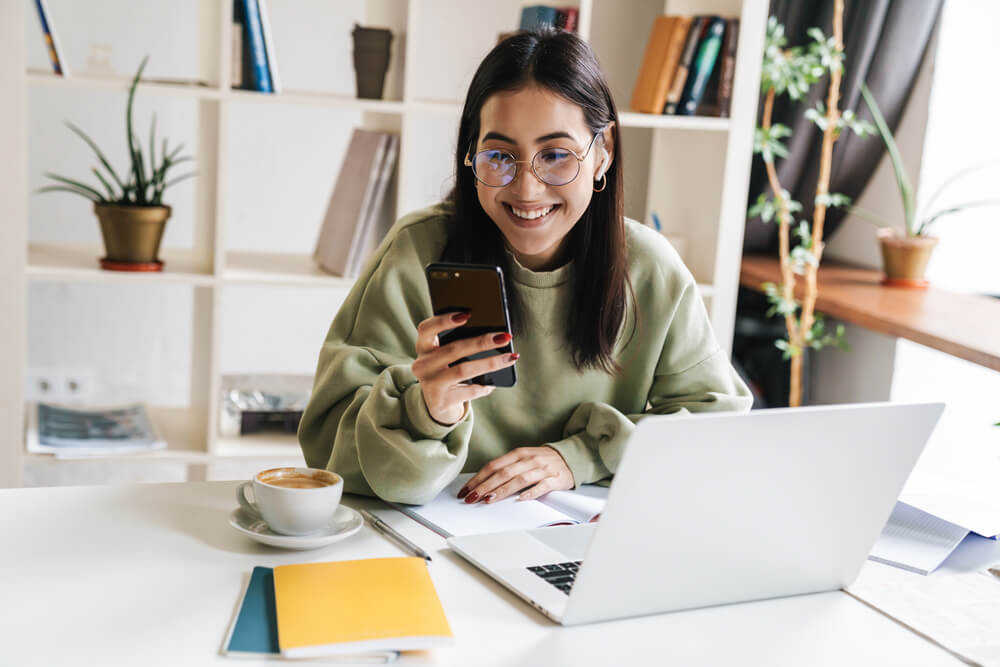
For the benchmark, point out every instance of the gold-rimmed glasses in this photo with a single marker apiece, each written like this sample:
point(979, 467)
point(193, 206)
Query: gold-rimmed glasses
point(497, 168)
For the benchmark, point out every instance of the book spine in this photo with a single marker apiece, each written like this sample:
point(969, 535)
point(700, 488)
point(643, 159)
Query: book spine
point(258, 54)
point(645, 95)
point(704, 63)
point(236, 55)
point(683, 67)
point(272, 61)
point(728, 66)
point(572, 18)
point(51, 45)
point(536, 16)
point(375, 225)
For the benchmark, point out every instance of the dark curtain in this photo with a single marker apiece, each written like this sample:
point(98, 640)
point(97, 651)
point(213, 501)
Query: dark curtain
point(884, 44)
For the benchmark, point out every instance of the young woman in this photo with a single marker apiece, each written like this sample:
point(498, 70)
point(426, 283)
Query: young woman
point(608, 323)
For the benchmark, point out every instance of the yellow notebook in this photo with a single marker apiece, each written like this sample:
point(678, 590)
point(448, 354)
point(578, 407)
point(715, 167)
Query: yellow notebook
point(357, 605)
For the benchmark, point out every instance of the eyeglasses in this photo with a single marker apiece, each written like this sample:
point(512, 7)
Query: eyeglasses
point(553, 166)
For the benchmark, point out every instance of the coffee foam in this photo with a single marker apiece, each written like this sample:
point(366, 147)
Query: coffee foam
point(297, 478)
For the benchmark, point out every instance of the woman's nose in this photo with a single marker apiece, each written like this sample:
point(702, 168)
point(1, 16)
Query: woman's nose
point(526, 184)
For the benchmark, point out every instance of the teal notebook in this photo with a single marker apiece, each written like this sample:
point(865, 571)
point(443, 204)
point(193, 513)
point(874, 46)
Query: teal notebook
point(254, 631)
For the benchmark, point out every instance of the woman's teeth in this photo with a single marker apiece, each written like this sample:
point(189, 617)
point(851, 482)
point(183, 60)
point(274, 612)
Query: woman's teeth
point(531, 215)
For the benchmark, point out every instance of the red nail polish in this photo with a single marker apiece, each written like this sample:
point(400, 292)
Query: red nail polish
point(501, 338)
point(472, 497)
point(461, 317)
point(514, 356)
point(463, 493)
point(489, 497)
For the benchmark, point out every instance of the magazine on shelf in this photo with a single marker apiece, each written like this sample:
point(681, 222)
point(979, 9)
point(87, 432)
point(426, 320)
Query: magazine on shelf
point(70, 432)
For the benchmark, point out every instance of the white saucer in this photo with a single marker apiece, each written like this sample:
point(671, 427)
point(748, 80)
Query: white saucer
point(344, 523)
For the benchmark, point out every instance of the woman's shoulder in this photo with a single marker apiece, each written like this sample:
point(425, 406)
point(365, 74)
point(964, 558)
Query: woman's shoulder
point(650, 254)
point(419, 236)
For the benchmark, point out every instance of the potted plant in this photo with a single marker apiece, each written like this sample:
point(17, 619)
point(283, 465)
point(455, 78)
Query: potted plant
point(130, 210)
point(905, 254)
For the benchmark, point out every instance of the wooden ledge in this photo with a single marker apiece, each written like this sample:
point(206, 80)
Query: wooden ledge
point(963, 325)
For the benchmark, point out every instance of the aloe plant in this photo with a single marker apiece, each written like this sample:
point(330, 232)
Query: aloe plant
point(915, 225)
point(144, 184)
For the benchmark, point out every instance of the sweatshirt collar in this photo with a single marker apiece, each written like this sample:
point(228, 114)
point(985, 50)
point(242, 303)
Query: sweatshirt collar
point(529, 278)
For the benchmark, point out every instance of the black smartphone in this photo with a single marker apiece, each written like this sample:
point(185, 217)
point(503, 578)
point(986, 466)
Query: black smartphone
point(477, 289)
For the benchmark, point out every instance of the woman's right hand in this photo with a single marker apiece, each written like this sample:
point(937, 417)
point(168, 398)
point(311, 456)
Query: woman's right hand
point(443, 384)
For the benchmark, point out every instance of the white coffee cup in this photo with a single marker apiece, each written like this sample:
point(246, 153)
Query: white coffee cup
point(293, 501)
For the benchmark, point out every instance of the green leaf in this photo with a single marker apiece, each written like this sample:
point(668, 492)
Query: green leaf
point(133, 149)
point(905, 191)
point(152, 148)
point(76, 184)
point(66, 188)
point(100, 156)
point(178, 179)
point(111, 193)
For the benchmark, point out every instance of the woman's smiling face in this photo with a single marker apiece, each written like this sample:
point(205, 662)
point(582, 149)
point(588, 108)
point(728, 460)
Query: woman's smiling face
point(535, 217)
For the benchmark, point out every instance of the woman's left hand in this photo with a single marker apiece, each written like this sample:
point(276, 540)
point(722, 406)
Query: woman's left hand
point(540, 468)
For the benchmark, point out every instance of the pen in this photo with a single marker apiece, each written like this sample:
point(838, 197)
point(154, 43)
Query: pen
point(384, 528)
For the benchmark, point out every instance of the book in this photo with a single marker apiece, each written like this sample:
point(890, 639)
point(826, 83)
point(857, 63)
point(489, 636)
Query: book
point(70, 432)
point(701, 70)
point(677, 84)
point(51, 42)
point(253, 632)
point(357, 605)
point(272, 60)
point(236, 53)
point(728, 66)
point(537, 15)
point(344, 226)
point(567, 18)
point(378, 221)
point(650, 93)
point(449, 516)
point(259, 76)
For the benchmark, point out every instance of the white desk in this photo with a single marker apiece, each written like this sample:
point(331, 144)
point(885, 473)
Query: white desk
point(150, 574)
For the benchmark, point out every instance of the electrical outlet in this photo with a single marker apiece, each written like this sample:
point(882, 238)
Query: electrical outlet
point(59, 385)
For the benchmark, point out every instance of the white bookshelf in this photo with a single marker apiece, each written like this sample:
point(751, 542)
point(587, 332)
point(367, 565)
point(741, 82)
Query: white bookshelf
point(692, 171)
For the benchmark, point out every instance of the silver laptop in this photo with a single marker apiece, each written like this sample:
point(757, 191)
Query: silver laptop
point(712, 509)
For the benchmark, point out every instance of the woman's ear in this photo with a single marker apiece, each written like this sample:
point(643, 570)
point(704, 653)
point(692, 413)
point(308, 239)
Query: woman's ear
point(607, 152)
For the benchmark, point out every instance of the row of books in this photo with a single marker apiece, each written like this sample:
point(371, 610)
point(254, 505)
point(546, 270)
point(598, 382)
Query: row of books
point(688, 66)
point(254, 66)
point(357, 217)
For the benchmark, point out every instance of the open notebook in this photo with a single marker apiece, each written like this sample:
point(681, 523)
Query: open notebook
point(448, 516)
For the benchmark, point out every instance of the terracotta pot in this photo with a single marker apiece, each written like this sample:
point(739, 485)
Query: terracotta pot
point(132, 234)
point(904, 258)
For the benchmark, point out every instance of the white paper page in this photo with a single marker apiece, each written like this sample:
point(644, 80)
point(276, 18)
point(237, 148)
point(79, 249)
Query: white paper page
point(957, 610)
point(970, 501)
point(449, 516)
point(915, 540)
point(583, 504)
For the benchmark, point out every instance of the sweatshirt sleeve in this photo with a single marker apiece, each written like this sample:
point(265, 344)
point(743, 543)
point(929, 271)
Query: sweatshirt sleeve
point(692, 374)
point(366, 419)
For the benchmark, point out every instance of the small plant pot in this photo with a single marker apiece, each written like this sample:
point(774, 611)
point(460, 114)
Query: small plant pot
point(132, 236)
point(371, 60)
point(904, 258)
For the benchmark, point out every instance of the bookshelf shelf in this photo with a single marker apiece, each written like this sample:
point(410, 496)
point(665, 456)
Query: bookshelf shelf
point(190, 89)
point(633, 119)
point(277, 269)
point(80, 263)
point(692, 171)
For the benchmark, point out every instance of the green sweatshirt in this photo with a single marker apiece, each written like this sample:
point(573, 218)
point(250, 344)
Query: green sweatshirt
point(367, 420)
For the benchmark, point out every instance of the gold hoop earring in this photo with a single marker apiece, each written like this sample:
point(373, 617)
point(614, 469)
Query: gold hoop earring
point(604, 183)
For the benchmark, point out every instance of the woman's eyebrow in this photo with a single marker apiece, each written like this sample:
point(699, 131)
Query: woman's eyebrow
point(546, 137)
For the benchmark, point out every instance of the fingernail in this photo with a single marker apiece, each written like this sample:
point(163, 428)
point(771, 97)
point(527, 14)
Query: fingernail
point(501, 338)
point(460, 317)
point(463, 493)
point(489, 497)
point(471, 498)
point(524, 496)
point(514, 356)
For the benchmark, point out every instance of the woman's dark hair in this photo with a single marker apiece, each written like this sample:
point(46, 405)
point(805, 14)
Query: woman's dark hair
point(564, 64)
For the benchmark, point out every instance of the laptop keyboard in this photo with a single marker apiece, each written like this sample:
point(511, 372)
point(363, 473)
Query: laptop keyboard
point(560, 575)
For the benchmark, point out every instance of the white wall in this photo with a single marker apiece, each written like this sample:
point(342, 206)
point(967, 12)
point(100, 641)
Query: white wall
point(279, 186)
